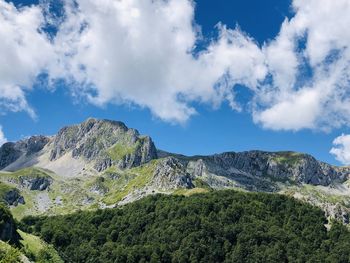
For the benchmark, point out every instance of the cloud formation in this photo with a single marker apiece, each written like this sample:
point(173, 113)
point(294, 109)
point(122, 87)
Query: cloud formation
point(341, 149)
point(141, 52)
point(144, 52)
point(310, 64)
point(24, 53)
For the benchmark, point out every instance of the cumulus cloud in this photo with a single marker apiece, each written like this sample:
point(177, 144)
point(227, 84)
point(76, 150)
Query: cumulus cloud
point(24, 53)
point(2, 137)
point(341, 149)
point(141, 52)
point(144, 52)
point(310, 64)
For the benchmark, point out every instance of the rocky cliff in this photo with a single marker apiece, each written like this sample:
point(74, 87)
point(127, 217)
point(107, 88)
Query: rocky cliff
point(11, 152)
point(105, 143)
point(279, 166)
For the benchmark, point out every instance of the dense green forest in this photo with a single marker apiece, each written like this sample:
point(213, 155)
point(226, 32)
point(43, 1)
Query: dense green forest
point(8, 227)
point(220, 226)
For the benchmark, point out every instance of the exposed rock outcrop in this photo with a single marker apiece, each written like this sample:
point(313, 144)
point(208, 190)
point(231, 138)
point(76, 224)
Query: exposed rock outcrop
point(10, 152)
point(170, 173)
point(282, 166)
point(105, 143)
point(35, 183)
point(98, 187)
point(13, 197)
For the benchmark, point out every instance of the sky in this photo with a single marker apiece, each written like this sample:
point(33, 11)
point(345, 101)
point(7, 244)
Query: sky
point(199, 77)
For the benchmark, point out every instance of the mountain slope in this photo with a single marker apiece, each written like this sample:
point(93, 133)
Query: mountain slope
point(221, 226)
point(102, 163)
point(96, 144)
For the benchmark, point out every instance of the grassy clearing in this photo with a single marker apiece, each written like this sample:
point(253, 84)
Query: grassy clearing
point(37, 250)
point(189, 192)
point(22, 210)
point(288, 158)
point(139, 178)
point(31, 172)
point(119, 150)
point(31, 244)
point(199, 183)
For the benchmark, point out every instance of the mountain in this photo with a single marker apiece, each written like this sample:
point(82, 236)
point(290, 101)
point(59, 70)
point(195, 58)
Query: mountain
point(103, 163)
point(97, 144)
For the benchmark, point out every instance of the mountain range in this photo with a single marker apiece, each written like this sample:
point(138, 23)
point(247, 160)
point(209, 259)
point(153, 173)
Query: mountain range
point(103, 163)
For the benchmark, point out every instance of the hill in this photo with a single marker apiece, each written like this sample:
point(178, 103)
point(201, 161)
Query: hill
point(221, 226)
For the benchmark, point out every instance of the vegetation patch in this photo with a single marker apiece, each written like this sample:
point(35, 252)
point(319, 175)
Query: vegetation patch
point(9, 254)
point(220, 226)
point(37, 250)
point(189, 192)
point(31, 172)
point(119, 150)
point(139, 178)
point(4, 189)
point(288, 158)
point(199, 183)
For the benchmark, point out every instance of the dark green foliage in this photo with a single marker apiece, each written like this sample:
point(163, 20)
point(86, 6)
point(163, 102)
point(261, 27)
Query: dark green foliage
point(8, 227)
point(220, 226)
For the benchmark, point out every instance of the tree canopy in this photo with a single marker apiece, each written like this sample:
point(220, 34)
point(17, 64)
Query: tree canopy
point(220, 226)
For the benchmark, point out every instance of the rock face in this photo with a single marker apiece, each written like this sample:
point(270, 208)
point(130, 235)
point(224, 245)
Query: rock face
point(170, 173)
point(35, 183)
point(13, 197)
point(280, 166)
point(105, 143)
point(10, 152)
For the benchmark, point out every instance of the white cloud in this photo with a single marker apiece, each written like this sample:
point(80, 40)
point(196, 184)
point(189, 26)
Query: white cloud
point(24, 53)
point(341, 149)
point(310, 65)
point(141, 52)
point(2, 137)
point(296, 112)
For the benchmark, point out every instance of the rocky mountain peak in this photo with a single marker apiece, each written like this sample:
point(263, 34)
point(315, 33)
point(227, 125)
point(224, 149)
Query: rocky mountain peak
point(10, 151)
point(105, 142)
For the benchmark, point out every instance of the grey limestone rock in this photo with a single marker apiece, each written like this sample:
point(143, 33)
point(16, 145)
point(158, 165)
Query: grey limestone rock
point(281, 166)
point(170, 173)
point(10, 152)
point(35, 183)
point(104, 142)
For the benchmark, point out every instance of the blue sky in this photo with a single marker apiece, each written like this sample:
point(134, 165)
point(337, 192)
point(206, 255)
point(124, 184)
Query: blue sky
point(201, 122)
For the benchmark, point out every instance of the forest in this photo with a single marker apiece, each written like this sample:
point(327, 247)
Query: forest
point(219, 226)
